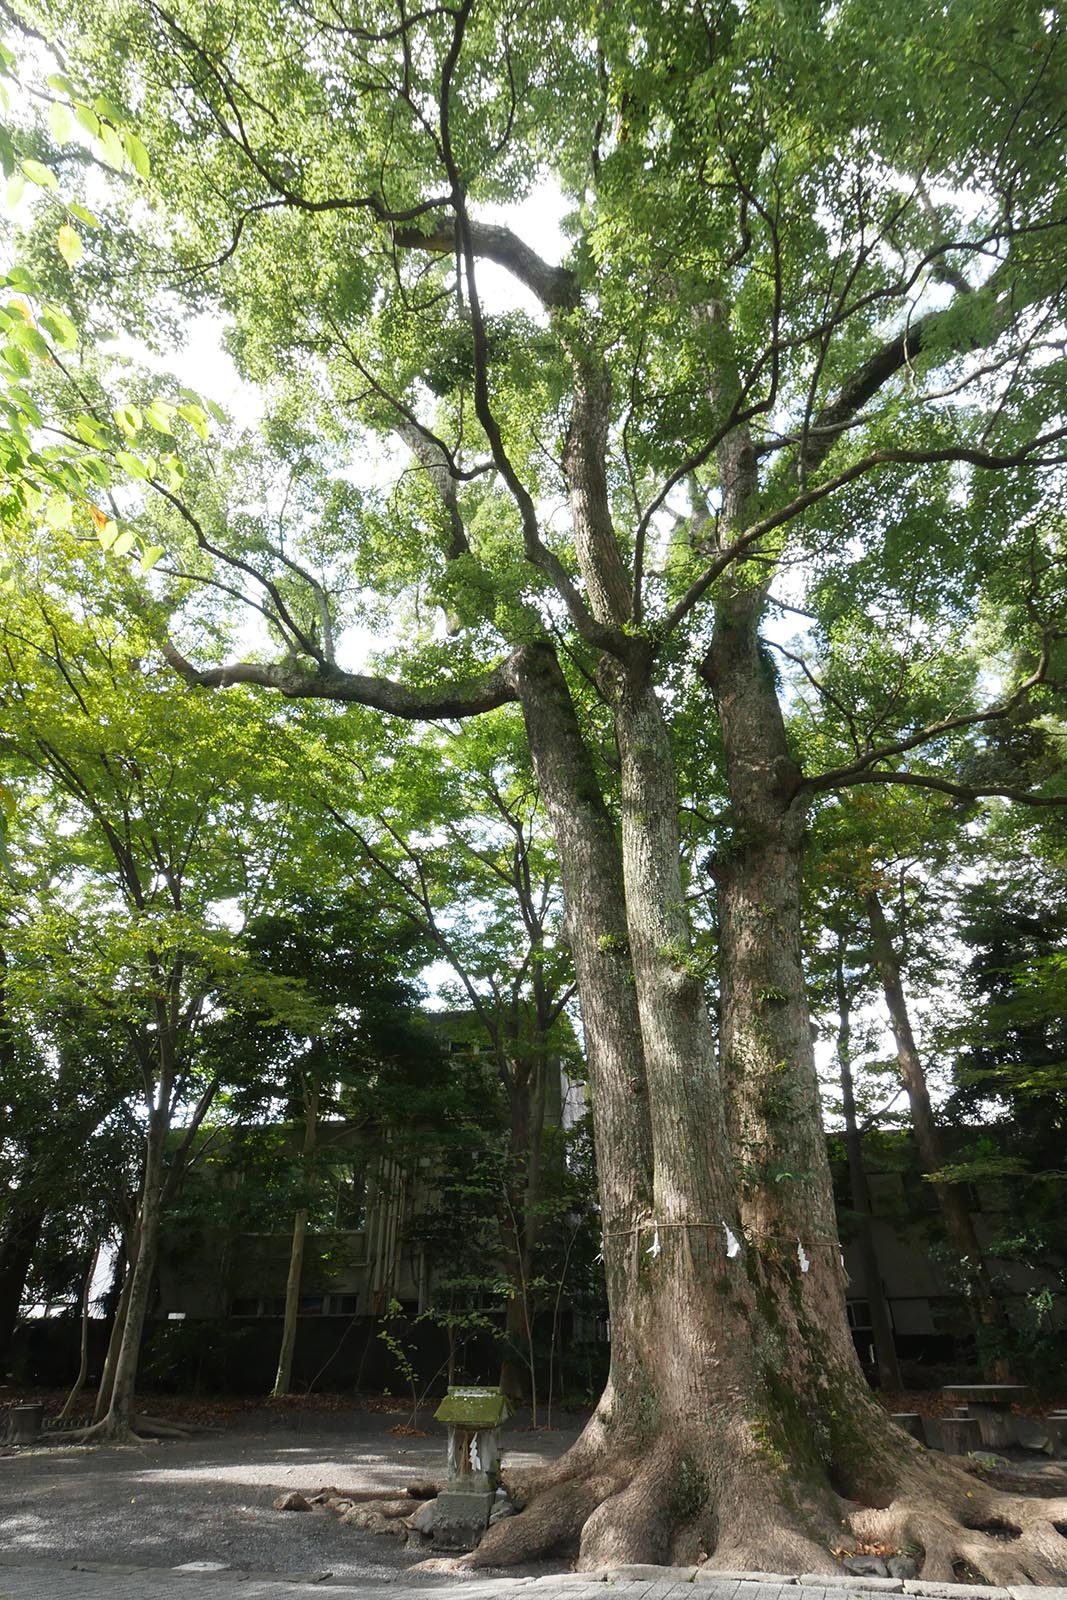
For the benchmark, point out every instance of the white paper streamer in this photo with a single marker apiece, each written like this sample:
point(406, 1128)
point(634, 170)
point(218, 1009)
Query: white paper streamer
point(733, 1247)
point(655, 1247)
point(802, 1257)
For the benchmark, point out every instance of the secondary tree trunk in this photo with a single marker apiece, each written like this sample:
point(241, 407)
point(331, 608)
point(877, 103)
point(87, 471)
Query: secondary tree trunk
point(83, 1350)
point(983, 1303)
point(885, 1354)
point(768, 1060)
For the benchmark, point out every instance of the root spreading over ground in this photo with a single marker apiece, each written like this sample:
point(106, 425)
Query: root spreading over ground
point(678, 1502)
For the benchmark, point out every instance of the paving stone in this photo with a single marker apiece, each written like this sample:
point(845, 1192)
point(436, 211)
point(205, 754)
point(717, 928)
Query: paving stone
point(1028, 1592)
point(853, 1580)
point(657, 1574)
point(972, 1591)
point(711, 1575)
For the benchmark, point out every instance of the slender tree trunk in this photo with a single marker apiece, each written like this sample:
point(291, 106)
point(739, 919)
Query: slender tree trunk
point(118, 1324)
point(984, 1305)
point(518, 1237)
point(119, 1418)
point(83, 1361)
point(283, 1377)
point(885, 1354)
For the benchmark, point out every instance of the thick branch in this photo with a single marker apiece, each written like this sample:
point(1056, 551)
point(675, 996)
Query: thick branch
point(555, 287)
point(465, 698)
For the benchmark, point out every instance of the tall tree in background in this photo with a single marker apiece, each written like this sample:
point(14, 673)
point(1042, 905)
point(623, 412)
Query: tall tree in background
point(131, 934)
point(809, 315)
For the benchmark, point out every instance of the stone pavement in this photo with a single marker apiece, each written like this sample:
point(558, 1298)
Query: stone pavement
point(49, 1580)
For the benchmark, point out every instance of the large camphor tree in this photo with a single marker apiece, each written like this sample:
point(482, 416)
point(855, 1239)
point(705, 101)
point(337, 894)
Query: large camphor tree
point(810, 312)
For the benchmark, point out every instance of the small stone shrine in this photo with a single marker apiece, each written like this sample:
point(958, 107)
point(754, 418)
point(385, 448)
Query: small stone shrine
point(473, 1417)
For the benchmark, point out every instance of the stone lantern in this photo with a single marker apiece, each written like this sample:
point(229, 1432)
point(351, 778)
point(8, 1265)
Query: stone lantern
point(473, 1417)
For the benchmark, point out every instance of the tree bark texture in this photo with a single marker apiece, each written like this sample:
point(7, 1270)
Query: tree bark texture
point(983, 1303)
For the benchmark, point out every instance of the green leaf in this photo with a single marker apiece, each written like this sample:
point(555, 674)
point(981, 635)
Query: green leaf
point(150, 556)
point(129, 420)
point(59, 327)
point(196, 417)
point(158, 415)
point(109, 147)
point(132, 465)
point(109, 109)
point(175, 470)
point(59, 512)
point(17, 360)
point(91, 432)
point(83, 214)
point(60, 121)
point(21, 333)
point(16, 186)
point(38, 173)
point(88, 119)
point(138, 155)
point(124, 544)
point(108, 533)
point(70, 245)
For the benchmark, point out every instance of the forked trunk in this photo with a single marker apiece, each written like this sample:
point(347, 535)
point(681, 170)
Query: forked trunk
point(714, 1383)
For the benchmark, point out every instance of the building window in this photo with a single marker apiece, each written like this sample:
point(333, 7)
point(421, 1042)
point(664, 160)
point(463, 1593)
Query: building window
point(859, 1315)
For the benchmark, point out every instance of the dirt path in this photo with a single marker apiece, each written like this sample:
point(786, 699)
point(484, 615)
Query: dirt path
point(210, 1498)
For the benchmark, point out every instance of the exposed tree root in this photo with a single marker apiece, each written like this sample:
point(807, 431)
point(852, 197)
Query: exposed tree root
point(144, 1430)
point(666, 1503)
point(673, 1501)
point(957, 1521)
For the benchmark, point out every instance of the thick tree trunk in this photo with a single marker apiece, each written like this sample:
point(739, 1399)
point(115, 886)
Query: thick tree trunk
point(22, 1230)
point(690, 1463)
point(885, 1354)
point(736, 1424)
point(984, 1305)
point(284, 1374)
point(784, 1182)
point(596, 928)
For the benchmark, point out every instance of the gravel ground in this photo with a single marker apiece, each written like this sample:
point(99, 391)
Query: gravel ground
point(209, 1498)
